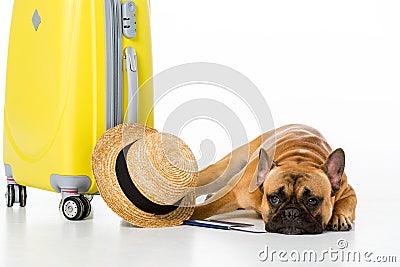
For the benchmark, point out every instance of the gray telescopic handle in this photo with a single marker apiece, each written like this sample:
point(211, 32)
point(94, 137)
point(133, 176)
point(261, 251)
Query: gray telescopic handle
point(132, 75)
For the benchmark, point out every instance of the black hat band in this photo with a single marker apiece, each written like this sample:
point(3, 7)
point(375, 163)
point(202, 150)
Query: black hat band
point(131, 191)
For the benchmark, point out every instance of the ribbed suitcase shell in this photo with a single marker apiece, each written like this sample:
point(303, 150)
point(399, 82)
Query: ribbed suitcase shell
point(55, 105)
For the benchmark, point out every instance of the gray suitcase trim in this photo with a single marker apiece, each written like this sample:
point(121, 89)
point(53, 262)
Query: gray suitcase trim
point(8, 170)
point(113, 40)
point(81, 183)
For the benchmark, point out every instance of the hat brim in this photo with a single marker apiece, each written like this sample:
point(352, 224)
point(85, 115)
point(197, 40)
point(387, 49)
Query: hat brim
point(104, 165)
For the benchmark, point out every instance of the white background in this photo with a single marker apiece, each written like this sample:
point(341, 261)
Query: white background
point(333, 65)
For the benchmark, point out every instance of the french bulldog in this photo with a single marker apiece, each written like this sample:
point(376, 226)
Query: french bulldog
point(300, 184)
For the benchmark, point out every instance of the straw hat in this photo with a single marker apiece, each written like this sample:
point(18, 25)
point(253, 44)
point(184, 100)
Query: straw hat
point(146, 177)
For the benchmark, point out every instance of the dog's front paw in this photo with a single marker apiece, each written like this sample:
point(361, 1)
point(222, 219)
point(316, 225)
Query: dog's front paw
point(339, 222)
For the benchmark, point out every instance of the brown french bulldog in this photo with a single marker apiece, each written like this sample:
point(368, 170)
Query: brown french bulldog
point(302, 187)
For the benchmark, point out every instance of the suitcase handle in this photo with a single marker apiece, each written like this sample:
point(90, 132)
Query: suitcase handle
point(132, 75)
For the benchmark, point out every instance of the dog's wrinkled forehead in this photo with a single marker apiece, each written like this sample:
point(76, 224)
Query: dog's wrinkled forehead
point(295, 182)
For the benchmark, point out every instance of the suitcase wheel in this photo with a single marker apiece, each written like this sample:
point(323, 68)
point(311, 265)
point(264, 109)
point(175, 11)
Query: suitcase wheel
point(72, 208)
point(16, 194)
point(22, 195)
point(87, 206)
point(10, 195)
point(76, 208)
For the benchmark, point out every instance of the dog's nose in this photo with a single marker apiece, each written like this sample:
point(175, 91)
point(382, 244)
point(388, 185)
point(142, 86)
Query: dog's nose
point(291, 214)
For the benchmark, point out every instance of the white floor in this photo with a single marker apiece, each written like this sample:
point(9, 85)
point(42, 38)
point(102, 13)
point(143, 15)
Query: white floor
point(38, 235)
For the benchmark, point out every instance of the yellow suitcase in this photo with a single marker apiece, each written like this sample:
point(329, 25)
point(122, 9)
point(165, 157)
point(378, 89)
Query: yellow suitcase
point(73, 66)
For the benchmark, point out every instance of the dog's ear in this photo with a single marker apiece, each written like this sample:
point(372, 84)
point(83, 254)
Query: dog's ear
point(334, 168)
point(263, 166)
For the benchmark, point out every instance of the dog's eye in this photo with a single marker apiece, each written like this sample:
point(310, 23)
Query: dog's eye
point(274, 200)
point(312, 202)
